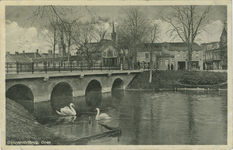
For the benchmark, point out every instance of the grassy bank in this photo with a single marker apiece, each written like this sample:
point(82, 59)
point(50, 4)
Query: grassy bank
point(170, 79)
point(21, 126)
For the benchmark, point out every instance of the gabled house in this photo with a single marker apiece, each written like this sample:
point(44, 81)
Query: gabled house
point(104, 52)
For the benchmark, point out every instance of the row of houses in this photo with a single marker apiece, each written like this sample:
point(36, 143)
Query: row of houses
point(174, 56)
point(165, 56)
point(170, 56)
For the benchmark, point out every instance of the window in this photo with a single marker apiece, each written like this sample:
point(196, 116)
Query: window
point(146, 55)
point(104, 54)
point(110, 53)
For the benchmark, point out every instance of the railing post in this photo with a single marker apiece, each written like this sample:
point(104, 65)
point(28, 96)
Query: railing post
point(54, 66)
point(46, 67)
point(93, 65)
point(17, 67)
point(32, 67)
point(64, 66)
point(70, 66)
point(81, 66)
point(101, 66)
point(59, 66)
point(109, 67)
point(20, 68)
point(7, 67)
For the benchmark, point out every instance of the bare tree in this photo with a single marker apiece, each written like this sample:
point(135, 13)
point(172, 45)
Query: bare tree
point(153, 31)
point(100, 24)
point(50, 37)
point(82, 39)
point(187, 22)
point(131, 31)
point(57, 20)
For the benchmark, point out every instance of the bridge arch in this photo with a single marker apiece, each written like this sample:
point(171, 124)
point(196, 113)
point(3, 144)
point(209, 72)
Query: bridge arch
point(61, 88)
point(61, 95)
point(23, 95)
point(93, 85)
point(93, 93)
point(118, 83)
point(20, 92)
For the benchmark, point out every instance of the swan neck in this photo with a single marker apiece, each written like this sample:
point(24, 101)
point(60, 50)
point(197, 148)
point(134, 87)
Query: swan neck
point(98, 111)
point(71, 107)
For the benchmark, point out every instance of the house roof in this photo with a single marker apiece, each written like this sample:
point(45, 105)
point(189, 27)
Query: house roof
point(166, 56)
point(71, 58)
point(209, 43)
point(178, 46)
point(9, 59)
point(21, 58)
point(50, 59)
point(32, 55)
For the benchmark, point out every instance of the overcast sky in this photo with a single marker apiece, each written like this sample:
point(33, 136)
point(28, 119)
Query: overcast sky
point(22, 30)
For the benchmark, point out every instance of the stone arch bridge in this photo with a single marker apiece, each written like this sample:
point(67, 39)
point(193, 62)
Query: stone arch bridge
point(40, 86)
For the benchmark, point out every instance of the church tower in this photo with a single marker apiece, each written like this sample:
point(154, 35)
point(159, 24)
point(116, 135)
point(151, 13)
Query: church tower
point(113, 34)
point(62, 46)
point(223, 38)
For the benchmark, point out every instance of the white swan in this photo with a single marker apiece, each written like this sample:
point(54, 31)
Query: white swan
point(66, 111)
point(102, 116)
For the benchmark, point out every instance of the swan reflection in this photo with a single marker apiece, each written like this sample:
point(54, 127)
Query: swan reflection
point(66, 119)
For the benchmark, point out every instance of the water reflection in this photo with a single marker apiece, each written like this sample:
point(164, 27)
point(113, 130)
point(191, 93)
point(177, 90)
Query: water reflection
point(143, 117)
point(66, 119)
point(93, 98)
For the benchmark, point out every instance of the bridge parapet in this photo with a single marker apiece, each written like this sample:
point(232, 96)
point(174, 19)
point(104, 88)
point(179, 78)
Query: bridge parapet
point(77, 73)
point(42, 85)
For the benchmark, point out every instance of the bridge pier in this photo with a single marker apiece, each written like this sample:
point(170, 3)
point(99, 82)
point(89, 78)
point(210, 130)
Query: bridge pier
point(106, 89)
point(78, 93)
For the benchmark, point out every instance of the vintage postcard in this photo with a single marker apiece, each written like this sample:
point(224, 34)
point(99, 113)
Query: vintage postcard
point(116, 75)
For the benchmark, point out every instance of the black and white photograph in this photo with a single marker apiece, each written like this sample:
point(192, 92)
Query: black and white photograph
point(97, 74)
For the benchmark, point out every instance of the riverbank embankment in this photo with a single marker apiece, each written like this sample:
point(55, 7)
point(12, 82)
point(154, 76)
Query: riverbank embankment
point(23, 129)
point(171, 80)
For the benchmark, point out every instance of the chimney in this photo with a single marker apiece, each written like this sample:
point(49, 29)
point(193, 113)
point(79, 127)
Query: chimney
point(37, 51)
point(16, 53)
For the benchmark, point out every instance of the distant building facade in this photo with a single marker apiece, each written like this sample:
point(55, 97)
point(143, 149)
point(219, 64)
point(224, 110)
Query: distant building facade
point(170, 56)
point(215, 53)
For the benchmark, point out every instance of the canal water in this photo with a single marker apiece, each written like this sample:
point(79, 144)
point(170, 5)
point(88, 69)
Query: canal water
point(143, 117)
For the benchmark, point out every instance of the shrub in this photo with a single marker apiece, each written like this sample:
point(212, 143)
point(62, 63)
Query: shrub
point(203, 78)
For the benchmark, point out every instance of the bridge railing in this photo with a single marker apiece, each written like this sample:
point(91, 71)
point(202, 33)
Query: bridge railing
point(57, 67)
